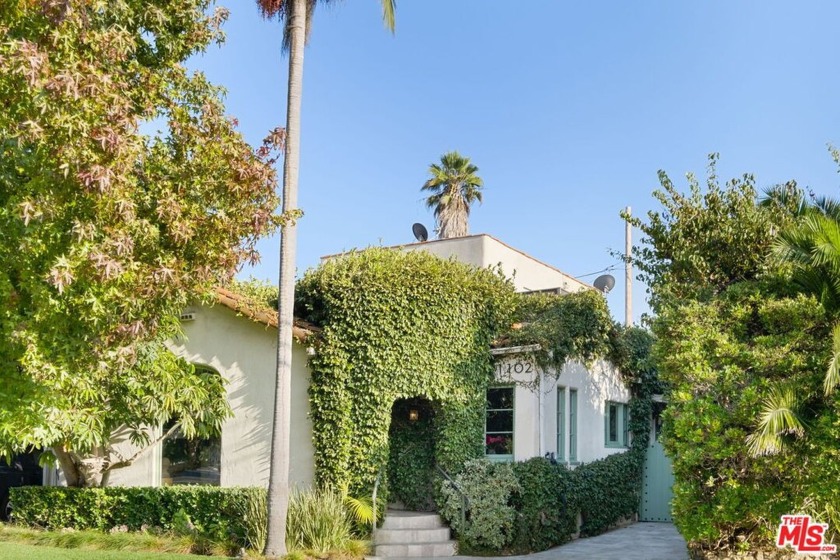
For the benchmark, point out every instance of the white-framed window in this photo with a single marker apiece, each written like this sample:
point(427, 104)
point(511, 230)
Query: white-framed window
point(561, 424)
point(190, 461)
point(498, 427)
point(616, 424)
point(196, 460)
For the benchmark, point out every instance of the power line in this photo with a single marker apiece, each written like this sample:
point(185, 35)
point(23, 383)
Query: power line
point(608, 269)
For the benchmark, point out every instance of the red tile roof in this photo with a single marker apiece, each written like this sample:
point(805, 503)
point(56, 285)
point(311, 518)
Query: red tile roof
point(261, 313)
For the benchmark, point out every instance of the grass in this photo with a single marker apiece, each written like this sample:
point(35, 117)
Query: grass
point(24, 543)
point(16, 551)
point(116, 542)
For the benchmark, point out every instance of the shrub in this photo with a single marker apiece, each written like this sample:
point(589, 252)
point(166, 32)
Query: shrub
point(546, 505)
point(489, 488)
point(723, 359)
point(213, 513)
point(607, 491)
point(534, 505)
point(318, 522)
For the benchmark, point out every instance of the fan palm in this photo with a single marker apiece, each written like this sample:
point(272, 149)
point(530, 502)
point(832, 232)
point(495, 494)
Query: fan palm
point(296, 17)
point(455, 186)
point(812, 248)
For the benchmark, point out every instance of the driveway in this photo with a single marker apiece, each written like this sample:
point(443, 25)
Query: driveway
point(640, 541)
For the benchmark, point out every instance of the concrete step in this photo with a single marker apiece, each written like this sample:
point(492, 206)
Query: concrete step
point(411, 536)
point(412, 520)
point(416, 550)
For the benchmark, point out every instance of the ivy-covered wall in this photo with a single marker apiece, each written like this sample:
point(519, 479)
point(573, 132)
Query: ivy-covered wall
point(399, 325)
point(396, 326)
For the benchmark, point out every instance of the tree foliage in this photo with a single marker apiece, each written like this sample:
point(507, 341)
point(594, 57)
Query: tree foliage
point(108, 232)
point(703, 241)
point(743, 349)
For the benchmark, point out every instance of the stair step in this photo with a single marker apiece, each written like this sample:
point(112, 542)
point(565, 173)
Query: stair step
point(415, 550)
point(412, 520)
point(410, 536)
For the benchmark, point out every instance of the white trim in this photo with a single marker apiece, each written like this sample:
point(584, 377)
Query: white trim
point(157, 462)
point(514, 349)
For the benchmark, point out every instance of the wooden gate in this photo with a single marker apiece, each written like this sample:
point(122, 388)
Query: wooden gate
point(657, 477)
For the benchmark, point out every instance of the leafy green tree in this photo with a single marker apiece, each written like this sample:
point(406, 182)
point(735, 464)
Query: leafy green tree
point(743, 352)
point(296, 16)
point(454, 186)
point(706, 240)
point(108, 233)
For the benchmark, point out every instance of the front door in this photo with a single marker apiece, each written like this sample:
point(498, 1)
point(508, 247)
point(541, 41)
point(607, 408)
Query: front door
point(657, 476)
point(411, 461)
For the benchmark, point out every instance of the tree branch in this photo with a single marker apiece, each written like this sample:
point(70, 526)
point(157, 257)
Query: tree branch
point(68, 466)
point(126, 462)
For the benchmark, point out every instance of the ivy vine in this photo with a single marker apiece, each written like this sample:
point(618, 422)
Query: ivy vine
point(402, 325)
point(398, 325)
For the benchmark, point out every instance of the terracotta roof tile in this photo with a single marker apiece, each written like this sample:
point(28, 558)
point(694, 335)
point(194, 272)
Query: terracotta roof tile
point(261, 314)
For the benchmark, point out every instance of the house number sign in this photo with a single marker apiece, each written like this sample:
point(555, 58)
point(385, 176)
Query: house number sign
point(513, 367)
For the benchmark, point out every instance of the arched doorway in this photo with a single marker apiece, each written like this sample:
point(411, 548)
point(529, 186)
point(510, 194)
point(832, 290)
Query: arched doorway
point(411, 459)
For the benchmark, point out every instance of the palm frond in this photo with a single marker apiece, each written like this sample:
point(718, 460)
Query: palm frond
point(832, 376)
point(281, 10)
point(787, 196)
point(269, 9)
point(389, 14)
point(778, 418)
point(829, 207)
point(360, 509)
point(455, 186)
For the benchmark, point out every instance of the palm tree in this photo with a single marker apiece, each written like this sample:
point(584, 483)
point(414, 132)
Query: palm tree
point(295, 16)
point(454, 186)
point(812, 248)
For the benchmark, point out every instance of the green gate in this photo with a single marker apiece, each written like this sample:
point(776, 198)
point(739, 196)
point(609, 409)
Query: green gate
point(657, 478)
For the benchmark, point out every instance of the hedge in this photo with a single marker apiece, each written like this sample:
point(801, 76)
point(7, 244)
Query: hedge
point(544, 501)
point(219, 514)
point(608, 491)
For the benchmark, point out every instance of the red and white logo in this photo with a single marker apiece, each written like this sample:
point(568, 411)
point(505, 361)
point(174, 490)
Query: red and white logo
point(804, 535)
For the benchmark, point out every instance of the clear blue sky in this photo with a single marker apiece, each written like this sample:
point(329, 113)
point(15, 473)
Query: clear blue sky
point(568, 109)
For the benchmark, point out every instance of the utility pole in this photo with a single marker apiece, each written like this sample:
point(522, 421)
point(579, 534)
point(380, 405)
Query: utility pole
point(628, 272)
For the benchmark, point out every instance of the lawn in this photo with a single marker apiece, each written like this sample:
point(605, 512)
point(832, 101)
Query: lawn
point(13, 551)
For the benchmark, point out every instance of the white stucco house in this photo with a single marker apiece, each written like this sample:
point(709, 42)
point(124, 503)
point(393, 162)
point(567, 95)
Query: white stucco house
point(577, 416)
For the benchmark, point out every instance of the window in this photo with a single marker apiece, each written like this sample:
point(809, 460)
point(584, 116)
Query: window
point(190, 461)
point(573, 425)
point(616, 425)
point(561, 423)
point(498, 431)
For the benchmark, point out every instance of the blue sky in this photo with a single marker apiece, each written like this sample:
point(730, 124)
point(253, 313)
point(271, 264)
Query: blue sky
point(568, 109)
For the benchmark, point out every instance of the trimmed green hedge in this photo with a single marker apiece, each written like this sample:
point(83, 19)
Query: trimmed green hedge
point(544, 501)
point(607, 491)
point(546, 505)
point(219, 514)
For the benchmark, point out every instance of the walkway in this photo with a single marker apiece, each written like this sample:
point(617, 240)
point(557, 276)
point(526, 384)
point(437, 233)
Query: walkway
point(640, 541)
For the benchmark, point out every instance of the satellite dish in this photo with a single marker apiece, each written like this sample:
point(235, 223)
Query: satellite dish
point(604, 283)
point(420, 232)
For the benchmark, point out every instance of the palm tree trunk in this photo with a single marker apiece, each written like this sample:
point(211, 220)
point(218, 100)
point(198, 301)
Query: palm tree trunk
point(278, 482)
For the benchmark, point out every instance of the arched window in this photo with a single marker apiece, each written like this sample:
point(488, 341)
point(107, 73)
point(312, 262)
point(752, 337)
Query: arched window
point(191, 461)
